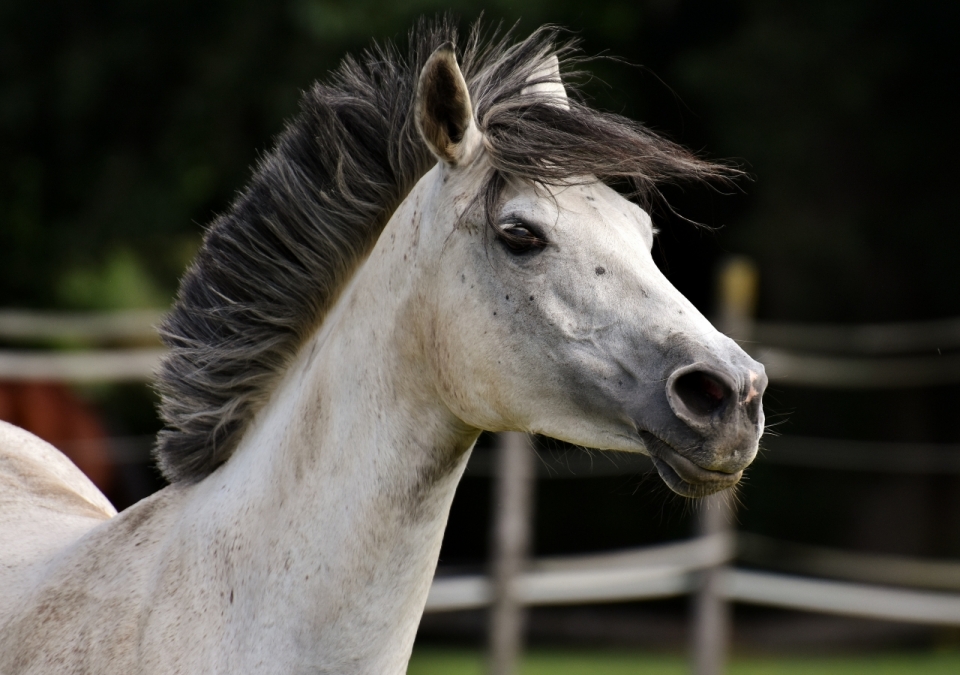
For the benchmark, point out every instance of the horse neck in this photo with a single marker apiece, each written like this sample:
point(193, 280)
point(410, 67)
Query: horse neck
point(341, 489)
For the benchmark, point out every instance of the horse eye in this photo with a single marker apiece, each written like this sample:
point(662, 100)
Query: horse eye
point(520, 239)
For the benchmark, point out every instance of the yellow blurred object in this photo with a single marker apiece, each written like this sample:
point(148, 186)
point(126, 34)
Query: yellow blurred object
point(738, 284)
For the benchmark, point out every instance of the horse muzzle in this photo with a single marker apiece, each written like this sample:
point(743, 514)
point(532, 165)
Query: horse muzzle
point(715, 434)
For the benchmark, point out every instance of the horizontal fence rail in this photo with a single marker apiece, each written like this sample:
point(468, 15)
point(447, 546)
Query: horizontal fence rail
point(786, 368)
point(668, 571)
point(843, 598)
point(852, 372)
point(783, 367)
point(873, 568)
point(874, 339)
point(132, 325)
point(115, 365)
point(789, 351)
point(654, 572)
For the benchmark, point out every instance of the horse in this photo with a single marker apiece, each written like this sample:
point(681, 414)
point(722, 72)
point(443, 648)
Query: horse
point(432, 249)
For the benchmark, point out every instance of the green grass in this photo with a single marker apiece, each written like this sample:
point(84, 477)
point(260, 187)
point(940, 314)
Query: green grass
point(427, 661)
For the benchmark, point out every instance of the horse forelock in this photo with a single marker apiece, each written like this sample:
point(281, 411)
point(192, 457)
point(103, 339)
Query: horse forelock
point(271, 266)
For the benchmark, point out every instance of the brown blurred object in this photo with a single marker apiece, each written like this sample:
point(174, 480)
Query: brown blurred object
point(57, 415)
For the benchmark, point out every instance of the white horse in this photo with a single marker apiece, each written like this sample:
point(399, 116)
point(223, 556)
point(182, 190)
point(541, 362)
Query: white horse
point(427, 253)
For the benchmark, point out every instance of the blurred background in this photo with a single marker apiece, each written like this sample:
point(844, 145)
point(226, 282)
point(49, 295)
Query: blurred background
point(125, 126)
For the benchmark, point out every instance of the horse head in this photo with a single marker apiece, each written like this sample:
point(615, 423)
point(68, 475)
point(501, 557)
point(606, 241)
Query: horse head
point(548, 314)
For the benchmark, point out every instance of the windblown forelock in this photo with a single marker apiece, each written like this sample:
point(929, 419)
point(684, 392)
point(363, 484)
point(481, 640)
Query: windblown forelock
point(270, 267)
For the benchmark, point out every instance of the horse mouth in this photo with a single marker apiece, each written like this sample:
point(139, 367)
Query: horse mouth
point(682, 475)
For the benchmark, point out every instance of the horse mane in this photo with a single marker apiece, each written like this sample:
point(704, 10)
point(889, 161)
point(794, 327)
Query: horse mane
point(272, 265)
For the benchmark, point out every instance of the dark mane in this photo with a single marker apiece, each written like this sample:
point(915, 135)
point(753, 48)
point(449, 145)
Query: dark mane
point(271, 266)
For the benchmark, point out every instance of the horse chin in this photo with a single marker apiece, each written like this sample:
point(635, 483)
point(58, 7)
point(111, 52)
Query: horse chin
point(684, 476)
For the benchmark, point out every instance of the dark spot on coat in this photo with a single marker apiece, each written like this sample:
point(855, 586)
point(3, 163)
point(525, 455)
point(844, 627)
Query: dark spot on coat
point(600, 270)
point(231, 596)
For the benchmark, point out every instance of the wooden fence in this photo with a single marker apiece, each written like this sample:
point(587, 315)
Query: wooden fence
point(875, 356)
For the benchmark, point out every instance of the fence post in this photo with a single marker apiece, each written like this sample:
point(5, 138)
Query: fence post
point(513, 511)
point(711, 612)
point(737, 286)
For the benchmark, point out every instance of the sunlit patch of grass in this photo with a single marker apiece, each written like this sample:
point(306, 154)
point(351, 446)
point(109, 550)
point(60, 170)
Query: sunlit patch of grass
point(431, 661)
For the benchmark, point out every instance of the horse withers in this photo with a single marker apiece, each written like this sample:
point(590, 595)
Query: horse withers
point(431, 250)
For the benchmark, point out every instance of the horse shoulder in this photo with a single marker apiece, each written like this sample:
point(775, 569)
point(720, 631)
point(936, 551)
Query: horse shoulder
point(75, 578)
point(83, 610)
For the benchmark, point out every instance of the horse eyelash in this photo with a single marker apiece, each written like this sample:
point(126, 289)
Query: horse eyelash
point(512, 220)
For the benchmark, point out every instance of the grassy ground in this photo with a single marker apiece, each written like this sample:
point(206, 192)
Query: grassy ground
point(462, 662)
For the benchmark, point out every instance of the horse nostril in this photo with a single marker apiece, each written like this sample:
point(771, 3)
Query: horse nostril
point(702, 393)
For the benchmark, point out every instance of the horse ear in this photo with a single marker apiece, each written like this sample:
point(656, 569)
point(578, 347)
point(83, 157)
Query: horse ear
point(546, 83)
point(444, 113)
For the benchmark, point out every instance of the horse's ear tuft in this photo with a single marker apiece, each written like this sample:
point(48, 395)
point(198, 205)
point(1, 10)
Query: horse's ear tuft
point(546, 83)
point(444, 113)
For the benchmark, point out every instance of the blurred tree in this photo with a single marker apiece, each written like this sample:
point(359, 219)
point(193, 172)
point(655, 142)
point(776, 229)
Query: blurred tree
point(842, 111)
point(125, 125)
